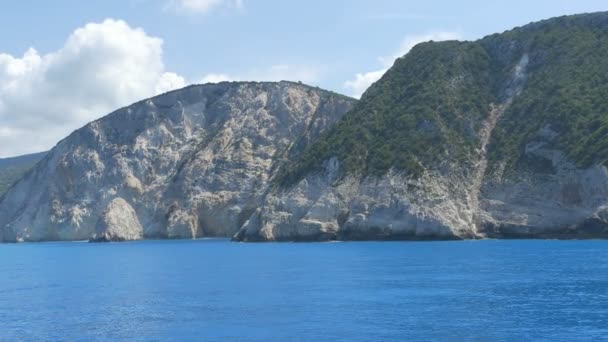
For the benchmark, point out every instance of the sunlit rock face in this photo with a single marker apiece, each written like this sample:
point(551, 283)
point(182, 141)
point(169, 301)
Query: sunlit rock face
point(190, 163)
point(118, 222)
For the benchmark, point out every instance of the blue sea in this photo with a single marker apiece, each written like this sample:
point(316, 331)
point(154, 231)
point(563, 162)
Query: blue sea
point(216, 290)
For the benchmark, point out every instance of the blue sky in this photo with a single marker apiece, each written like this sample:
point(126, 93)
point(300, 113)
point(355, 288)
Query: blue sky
point(84, 65)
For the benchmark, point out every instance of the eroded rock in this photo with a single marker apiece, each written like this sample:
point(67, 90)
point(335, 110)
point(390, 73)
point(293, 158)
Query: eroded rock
point(118, 222)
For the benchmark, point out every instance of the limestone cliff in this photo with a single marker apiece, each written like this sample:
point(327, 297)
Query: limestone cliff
point(190, 163)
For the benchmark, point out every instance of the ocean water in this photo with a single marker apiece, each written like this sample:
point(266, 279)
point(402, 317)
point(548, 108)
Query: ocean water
point(215, 290)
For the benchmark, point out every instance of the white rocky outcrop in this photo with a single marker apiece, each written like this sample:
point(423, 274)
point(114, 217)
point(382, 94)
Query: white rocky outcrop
point(118, 222)
point(190, 163)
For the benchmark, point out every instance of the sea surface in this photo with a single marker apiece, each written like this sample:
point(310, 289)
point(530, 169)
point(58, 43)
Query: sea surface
point(216, 290)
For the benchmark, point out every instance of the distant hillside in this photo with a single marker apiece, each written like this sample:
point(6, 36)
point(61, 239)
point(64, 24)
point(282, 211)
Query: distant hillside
point(11, 169)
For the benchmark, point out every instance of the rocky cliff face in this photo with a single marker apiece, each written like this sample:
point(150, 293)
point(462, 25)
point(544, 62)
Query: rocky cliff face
point(504, 137)
point(573, 203)
point(190, 163)
point(492, 138)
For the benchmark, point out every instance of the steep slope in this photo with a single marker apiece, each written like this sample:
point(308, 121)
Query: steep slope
point(501, 137)
point(11, 169)
point(548, 155)
point(189, 163)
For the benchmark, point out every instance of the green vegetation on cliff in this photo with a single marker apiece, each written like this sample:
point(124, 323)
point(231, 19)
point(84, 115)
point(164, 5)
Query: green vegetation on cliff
point(428, 108)
point(566, 92)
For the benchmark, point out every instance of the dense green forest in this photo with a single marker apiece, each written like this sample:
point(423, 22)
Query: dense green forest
point(567, 90)
point(426, 107)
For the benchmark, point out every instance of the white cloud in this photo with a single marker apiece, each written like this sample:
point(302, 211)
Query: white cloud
point(361, 81)
point(169, 81)
point(101, 67)
point(277, 72)
point(203, 6)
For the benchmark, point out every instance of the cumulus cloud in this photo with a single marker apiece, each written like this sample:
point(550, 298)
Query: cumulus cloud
point(101, 67)
point(203, 6)
point(169, 81)
point(361, 81)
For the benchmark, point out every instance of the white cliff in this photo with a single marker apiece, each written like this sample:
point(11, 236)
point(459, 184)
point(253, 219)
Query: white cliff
point(190, 163)
point(572, 204)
